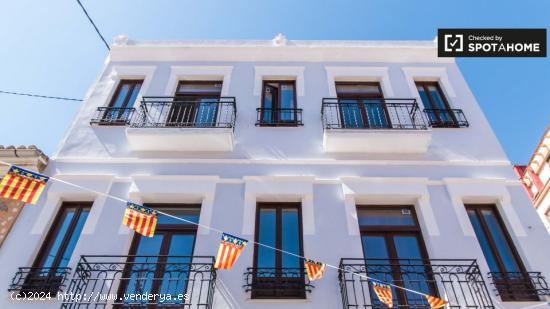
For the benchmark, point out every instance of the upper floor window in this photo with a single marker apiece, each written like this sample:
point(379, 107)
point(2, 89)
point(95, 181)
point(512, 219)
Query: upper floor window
point(195, 104)
point(279, 105)
point(121, 107)
point(53, 258)
point(361, 105)
point(437, 108)
point(394, 251)
point(507, 271)
point(277, 274)
point(166, 259)
point(126, 93)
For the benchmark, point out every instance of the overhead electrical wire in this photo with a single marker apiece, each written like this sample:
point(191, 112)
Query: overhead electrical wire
point(39, 96)
point(94, 25)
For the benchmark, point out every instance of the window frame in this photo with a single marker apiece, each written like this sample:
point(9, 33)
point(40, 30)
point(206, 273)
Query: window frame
point(166, 229)
point(276, 117)
point(121, 83)
point(389, 232)
point(54, 229)
point(191, 118)
point(509, 241)
point(448, 108)
point(279, 206)
point(358, 96)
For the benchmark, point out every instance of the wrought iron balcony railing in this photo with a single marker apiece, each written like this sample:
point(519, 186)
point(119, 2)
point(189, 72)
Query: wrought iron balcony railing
point(273, 283)
point(177, 112)
point(133, 281)
point(446, 118)
point(112, 116)
point(458, 281)
point(279, 117)
point(372, 113)
point(519, 286)
point(31, 280)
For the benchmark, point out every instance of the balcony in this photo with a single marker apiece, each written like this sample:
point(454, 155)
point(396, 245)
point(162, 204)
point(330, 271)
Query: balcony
point(458, 281)
point(32, 280)
point(184, 281)
point(175, 124)
point(277, 283)
point(280, 117)
point(367, 125)
point(112, 116)
point(519, 286)
point(446, 118)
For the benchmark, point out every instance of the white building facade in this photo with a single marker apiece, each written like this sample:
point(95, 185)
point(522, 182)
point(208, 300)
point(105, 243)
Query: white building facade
point(370, 156)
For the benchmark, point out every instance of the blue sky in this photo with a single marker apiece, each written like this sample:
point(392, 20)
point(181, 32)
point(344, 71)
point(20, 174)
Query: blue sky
point(48, 47)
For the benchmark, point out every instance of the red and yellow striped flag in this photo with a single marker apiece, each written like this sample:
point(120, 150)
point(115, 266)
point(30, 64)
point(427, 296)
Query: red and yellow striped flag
point(22, 185)
point(229, 250)
point(141, 219)
point(383, 291)
point(435, 302)
point(315, 270)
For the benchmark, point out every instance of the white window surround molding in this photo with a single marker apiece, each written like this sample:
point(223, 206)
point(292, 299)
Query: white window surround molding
point(482, 191)
point(176, 189)
point(359, 74)
point(388, 191)
point(199, 73)
point(59, 192)
point(120, 72)
point(434, 74)
point(262, 73)
point(278, 189)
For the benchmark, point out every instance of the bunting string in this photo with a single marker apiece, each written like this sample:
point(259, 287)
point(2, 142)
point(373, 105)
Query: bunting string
point(222, 232)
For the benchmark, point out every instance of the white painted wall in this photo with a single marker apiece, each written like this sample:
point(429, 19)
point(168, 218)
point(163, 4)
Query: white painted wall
point(461, 165)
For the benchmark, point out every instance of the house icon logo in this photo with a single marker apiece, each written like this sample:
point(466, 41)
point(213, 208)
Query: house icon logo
point(454, 42)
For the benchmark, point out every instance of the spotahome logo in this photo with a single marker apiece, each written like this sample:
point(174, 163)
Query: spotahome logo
point(491, 42)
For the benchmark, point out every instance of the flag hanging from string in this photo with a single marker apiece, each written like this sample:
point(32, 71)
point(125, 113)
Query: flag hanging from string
point(229, 250)
point(22, 185)
point(435, 302)
point(315, 270)
point(383, 292)
point(141, 219)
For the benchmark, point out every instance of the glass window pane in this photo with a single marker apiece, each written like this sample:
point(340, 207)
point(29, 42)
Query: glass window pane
point(499, 238)
point(374, 247)
point(414, 274)
point(121, 95)
point(74, 239)
point(424, 97)
point(57, 239)
point(388, 216)
point(370, 90)
point(376, 113)
point(176, 270)
point(189, 213)
point(483, 242)
point(143, 268)
point(213, 88)
point(290, 238)
point(133, 96)
point(267, 235)
point(271, 97)
point(436, 97)
point(351, 114)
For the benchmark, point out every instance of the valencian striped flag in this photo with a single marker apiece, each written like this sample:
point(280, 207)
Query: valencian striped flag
point(315, 270)
point(140, 219)
point(22, 185)
point(383, 291)
point(435, 302)
point(229, 250)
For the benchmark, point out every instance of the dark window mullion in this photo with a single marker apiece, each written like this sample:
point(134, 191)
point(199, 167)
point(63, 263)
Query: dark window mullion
point(279, 242)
